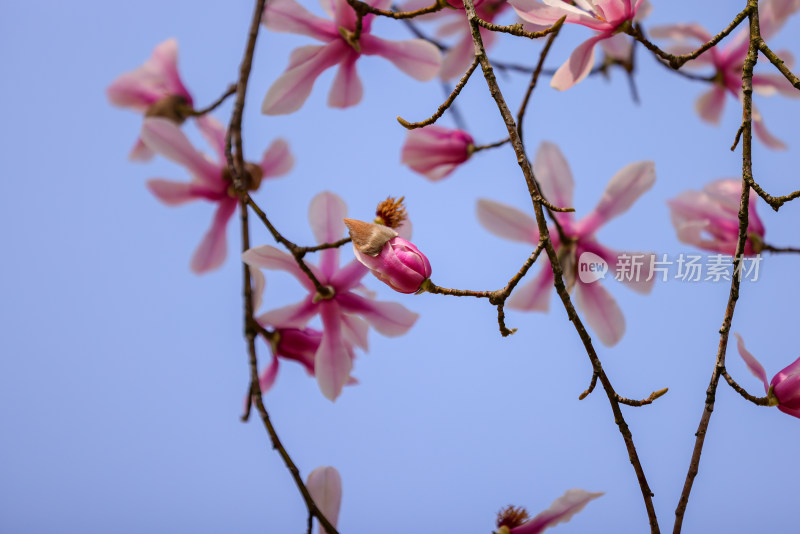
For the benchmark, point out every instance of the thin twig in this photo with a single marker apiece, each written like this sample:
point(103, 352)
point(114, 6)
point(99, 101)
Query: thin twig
point(761, 401)
point(516, 29)
point(218, 102)
point(591, 387)
point(364, 8)
point(779, 64)
point(776, 250)
point(644, 402)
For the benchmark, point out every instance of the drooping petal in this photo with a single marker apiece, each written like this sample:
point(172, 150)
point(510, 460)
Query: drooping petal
point(277, 160)
point(622, 191)
point(769, 84)
point(763, 134)
point(290, 17)
point(561, 511)
point(292, 88)
point(535, 294)
point(332, 363)
point(578, 65)
point(269, 257)
point(600, 311)
point(389, 318)
point(555, 178)
point(754, 365)
point(214, 246)
point(291, 316)
point(325, 486)
point(214, 133)
point(346, 90)
point(710, 104)
point(140, 151)
point(326, 213)
point(166, 138)
point(419, 59)
point(458, 58)
point(174, 193)
point(258, 284)
point(507, 222)
point(267, 377)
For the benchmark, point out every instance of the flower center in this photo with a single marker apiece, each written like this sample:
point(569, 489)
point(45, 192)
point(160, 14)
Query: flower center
point(252, 178)
point(324, 293)
point(350, 38)
point(173, 107)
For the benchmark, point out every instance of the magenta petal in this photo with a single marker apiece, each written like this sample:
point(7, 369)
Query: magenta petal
point(214, 133)
point(332, 363)
point(214, 246)
point(140, 151)
point(174, 193)
point(601, 312)
point(578, 65)
point(754, 365)
point(325, 486)
point(269, 257)
point(277, 160)
point(348, 276)
point(534, 295)
point(419, 59)
point(292, 88)
point(388, 318)
point(290, 17)
point(267, 377)
point(507, 222)
point(166, 138)
point(710, 104)
point(326, 213)
point(555, 178)
point(292, 316)
point(346, 90)
point(561, 511)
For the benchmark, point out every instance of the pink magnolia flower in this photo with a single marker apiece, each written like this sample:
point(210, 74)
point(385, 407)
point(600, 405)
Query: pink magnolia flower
point(210, 181)
point(325, 486)
point(340, 308)
point(155, 89)
point(514, 520)
point(607, 17)
point(555, 179)
point(783, 389)
point(417, 58)
point(709, 219)
point(728, 62)
point(393, 260)
point(458, 58)
point(435, 152)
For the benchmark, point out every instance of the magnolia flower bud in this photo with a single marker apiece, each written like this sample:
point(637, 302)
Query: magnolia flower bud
point(435, 152)
point(392, 259)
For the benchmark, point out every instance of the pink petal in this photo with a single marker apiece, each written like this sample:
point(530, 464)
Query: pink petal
point(174, 193)
point(214, 133)
point(332, 363)
point(277, 160)
point(355, 331)
point(347, 89)
point(622, 191)
point(507, 222)
point(763, 134)
point(578, 65)
point(257, 284)
point(769, 84)
point(534, 295)
point(618, 47)
point(555, 178)
point(267, 377)
point(388, 318)
point(755, 367)
point(140, 151)
point(348, 276)
point(269, 257)
point(600, 311)
point(681, 32)
point(773, 15)
point(292, 316)
point(214, 246)
point(613, 258)
point(419, 59)
point(292, 88)
point(545, 15)
point(290, 17)
point(325, 486)
point(166, 138)
point(710, 104)
point(326, 213)
point(561, 511)
point(458, 58)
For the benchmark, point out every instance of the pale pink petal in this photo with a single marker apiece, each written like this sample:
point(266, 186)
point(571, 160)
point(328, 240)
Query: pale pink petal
point(214, 133)
point(174, 193)
point(618, 47)
point(622, 191)
point(140, 151)
point(166, 138)
point(636, 264)
point(773, 15)
point(214, 246)
point(277, 160)
point(680, 32)
point(561, 511)
point(267, 377)
point(769, 84)
point(555, 178)
point(290, 17)
point(534, 295)
point(344, 15)
point(600, 311)
point(419, 59)
point(388, 318)
point(346, 90)
point(332, 363)
point(578, 65)
point(754, 365)
point(257, 284)
point(269, 257)
point(306, 63)
point(710, 104)
point(355, 331)
point(292, 316)
point(325, 486)
point(507, 222)
point(326, 213)
point(349, 276)
point(545, 15)
point(458, 58)
point(763, 134)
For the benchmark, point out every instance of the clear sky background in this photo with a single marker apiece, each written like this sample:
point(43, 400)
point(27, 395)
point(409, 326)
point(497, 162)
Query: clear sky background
point(122, 374)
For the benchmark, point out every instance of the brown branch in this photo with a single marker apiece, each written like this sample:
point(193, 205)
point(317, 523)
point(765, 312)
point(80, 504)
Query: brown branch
point(364, 8)
point(591, 387)
point(774, 202)
point(478, 148)
point(779, 64)
point(760, 401)
point(447, 103)
point(534, 192)
point(644, 402)
point(214, 105)
point(747, 170)
point(776, 250)
point(516, 29)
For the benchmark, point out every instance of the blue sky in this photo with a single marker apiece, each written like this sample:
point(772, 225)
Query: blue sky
point(122, 374)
